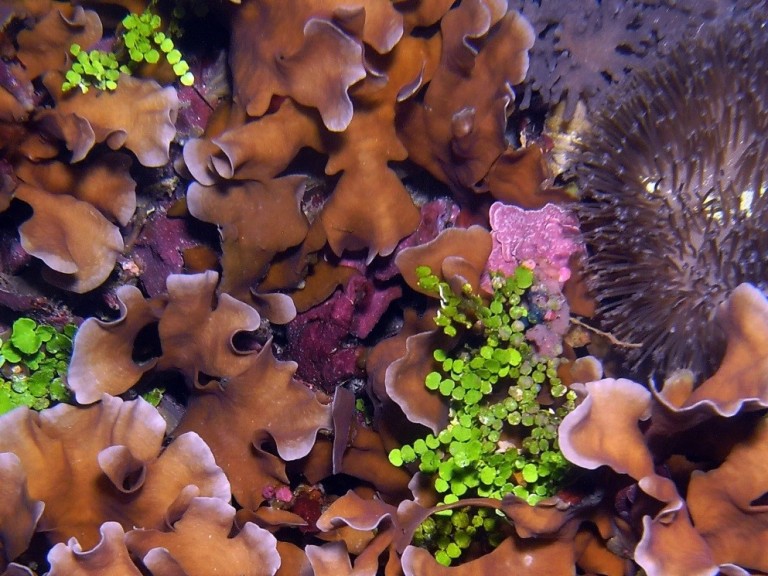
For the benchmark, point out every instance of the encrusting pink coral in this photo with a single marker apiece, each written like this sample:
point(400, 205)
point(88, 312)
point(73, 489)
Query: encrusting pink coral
point(318, 338)
point(547, 238)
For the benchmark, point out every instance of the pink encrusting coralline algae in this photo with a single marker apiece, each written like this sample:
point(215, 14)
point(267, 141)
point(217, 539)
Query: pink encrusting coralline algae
point(544, 239)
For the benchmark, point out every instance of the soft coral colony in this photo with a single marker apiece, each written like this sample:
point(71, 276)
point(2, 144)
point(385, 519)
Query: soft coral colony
point(321, 238)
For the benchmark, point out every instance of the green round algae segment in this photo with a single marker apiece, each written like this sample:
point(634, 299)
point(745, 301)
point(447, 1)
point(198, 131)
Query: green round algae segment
point(432, 382)
point(25, 337)
point(408, 454)
point(395, 457)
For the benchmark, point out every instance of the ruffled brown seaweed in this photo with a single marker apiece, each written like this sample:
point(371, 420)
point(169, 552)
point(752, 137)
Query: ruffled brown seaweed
point(194, 338)
point(76, 208)
point(701, 508)
point(199, 543)
point(240, 415)
point(106, 462)
point(360, 119)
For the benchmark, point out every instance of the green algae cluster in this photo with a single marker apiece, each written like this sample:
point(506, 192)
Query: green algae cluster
point(33, 364)
point(506, 402)
point(141, 40)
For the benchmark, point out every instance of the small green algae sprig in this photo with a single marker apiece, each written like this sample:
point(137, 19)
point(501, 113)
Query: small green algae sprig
point(506, 402)
point(95, 68)
point(141, 40)
point(448, 536)
point(145, 43)
point(154, 396)
point(33, 364)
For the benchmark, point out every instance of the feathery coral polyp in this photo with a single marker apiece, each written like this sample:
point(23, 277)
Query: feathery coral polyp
point(675, 209)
